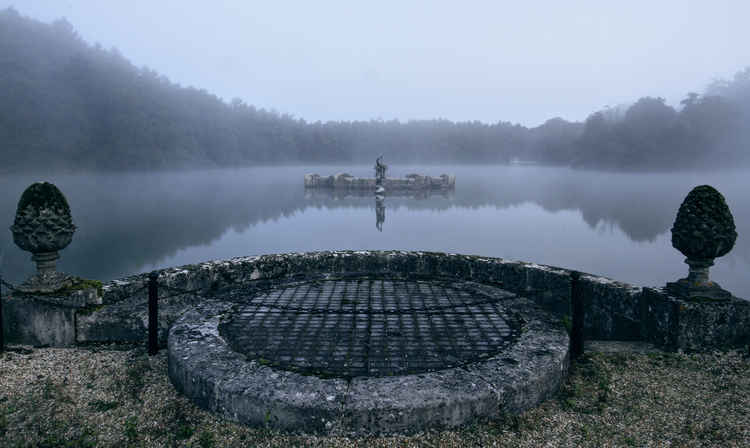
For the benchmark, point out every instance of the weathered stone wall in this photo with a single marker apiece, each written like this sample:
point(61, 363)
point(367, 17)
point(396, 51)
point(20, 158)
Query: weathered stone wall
point(548, 286)
point(695, 325)
point(613, 310)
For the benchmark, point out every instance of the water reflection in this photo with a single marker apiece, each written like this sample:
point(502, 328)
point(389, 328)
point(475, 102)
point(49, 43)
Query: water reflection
point(379, 212)
point(128, 222)
point(334, 198)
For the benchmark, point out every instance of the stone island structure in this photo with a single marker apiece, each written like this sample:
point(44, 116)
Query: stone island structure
point(381, 184)
point(411, 182)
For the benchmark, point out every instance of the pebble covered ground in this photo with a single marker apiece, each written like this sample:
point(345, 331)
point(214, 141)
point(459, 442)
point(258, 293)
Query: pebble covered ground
point(117, 395)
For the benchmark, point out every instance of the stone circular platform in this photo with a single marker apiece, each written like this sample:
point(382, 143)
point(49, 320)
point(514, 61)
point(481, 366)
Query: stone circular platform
point(370, 327)
point(362, 354)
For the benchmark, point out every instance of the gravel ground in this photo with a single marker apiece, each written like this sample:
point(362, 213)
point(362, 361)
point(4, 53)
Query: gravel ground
point(118, 396)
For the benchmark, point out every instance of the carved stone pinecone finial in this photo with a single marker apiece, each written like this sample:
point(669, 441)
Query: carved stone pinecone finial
point(43, 226)
point(703, 230)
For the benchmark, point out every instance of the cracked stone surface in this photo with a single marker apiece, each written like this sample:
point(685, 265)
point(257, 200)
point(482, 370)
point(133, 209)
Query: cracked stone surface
point(252, 387)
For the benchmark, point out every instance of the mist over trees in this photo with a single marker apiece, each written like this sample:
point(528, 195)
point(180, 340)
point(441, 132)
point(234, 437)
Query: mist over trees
point(67, 105)
point(709, 131)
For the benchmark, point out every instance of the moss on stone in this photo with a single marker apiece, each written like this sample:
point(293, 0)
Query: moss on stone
point(567, 323)
point(84, 283)
point(78, 284)
point(89, 310)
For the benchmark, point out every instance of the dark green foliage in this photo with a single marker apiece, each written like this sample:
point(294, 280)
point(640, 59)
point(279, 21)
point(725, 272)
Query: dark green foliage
point(103, 405)
point(184, 431)
point(134, 381)
point(181, 425)
point(206, 439)
point(130, 431)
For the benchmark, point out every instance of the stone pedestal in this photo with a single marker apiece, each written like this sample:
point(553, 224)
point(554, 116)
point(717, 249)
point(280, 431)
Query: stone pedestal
point(676, 323)
point(697, 284)
point(46, 319)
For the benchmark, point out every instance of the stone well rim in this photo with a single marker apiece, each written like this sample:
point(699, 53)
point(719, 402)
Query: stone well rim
point(204, 368)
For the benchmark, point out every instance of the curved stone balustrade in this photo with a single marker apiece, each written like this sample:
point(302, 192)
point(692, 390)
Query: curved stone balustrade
point(614, 310)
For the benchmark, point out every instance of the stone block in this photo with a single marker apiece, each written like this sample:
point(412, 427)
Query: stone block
point(514, 277)
point(31, 321)
point(549, 288)
point(694, 325)
point(612, 309)
point(121, 322)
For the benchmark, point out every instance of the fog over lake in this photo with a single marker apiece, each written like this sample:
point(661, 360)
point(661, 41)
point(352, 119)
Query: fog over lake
point(612, 224)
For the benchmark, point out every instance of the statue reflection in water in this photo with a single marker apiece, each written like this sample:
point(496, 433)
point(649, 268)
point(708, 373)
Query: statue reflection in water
point(380, 169)
point(379, 211)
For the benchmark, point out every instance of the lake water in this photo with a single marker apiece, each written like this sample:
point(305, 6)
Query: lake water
point(611, 224)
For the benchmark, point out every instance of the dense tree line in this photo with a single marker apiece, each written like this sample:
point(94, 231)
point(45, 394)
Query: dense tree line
point(66, 104)
point(709, 130)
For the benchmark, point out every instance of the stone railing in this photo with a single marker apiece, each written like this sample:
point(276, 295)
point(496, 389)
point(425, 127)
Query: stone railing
point(613, 310)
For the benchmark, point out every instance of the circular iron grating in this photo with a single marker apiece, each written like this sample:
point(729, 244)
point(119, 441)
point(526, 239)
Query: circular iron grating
point(369, 327)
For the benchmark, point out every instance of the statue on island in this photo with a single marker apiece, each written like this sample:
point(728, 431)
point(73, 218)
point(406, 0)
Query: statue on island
point(703, 230)
point(379, 175)
point(43, 226)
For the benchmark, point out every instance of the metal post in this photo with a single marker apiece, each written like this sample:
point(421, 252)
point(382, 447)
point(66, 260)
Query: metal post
point(576, 298)
point(2, 330)
point(153, 314)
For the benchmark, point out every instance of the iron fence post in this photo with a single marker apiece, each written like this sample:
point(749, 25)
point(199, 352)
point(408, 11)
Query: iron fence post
point(576, 333)
point(153, 314)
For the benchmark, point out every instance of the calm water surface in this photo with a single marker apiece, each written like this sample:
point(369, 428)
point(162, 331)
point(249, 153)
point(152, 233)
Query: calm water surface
point(616, 225)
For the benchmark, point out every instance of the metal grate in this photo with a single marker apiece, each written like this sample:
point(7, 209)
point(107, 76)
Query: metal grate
point(371, 327)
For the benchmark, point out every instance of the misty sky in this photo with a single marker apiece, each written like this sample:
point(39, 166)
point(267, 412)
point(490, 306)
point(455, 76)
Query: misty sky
point(487, 61)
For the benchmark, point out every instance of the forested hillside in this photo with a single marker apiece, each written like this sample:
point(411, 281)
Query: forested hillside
point(710, 130)
point(69, 105)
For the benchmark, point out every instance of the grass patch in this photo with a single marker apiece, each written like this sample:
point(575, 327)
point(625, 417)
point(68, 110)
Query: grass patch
point(135, 373)
point(130, 431)
point(206, 440)
point(3, 422)
point(608, 400)
point(103, 405)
